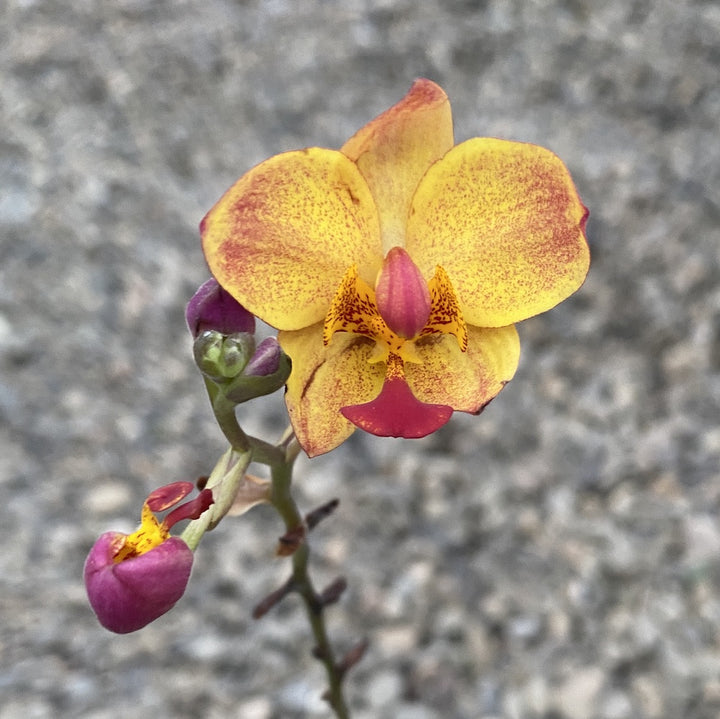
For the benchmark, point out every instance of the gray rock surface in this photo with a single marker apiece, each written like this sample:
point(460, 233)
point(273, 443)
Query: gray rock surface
point(556, 558)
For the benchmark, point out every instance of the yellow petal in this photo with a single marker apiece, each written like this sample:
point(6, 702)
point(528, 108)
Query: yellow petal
point(324, 379)
point(466, 381)
point(281, 238)
point(505, 221)
point(394, 151)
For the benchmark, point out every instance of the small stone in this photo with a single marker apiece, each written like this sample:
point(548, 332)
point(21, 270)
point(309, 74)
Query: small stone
point(535, 695)
point(525, 627)
point(576, 698)
point(255, 708)
point(648, 694)
point(397, 640)
point(383, 689)
point(702, 536)
point(415, 711)
point(617, 706)
point(107, 498)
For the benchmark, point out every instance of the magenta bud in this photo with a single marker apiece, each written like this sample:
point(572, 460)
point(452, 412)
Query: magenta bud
point(265, 360)
point(212, 308)
point(131, 593)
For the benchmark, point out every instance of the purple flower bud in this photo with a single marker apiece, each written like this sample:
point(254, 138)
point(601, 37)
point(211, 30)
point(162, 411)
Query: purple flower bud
point(265, 360)
point(129, 594)
point(132, 579)
point(266, 372)
point(212, 308)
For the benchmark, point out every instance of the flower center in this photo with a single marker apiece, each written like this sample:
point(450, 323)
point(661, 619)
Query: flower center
point(402, 309)
point(147, 536)
point(151, 532)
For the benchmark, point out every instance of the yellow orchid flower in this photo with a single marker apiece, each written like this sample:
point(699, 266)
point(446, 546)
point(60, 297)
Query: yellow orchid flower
point(395, 268)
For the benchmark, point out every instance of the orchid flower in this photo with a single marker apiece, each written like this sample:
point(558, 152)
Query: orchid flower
point(396, 267)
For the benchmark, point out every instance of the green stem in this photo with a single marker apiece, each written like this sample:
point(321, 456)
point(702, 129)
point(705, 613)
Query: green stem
point(224, 410)
point(302, 584)
point(280, 458)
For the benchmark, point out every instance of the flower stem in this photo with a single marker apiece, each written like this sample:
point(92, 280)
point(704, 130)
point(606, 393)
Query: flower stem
point(280, 458)
point(284, 503)
point(224, 410)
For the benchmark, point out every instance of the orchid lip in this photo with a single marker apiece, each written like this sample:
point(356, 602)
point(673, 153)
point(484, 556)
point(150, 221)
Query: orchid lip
point(396, 412)
point(127, 596)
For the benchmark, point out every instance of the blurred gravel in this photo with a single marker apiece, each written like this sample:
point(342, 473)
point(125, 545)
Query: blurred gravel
point(555, 558)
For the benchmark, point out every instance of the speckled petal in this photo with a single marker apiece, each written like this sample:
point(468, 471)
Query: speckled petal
point(280, 240)
point(394, 151)
point(505, 221)
point(324, 379)
point(466, 381)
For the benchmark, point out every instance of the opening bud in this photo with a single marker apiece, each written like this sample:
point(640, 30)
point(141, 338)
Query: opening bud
point(132, 579)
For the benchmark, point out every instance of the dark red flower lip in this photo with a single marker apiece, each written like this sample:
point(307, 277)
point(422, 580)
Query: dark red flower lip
point(397, 412)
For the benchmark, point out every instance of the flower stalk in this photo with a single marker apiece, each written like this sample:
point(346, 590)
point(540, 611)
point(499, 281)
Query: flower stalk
point(235, 370)
point(302, 584)
point(280, 459)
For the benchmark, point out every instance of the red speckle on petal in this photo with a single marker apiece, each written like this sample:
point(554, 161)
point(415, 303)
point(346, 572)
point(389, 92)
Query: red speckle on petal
point(396, 412)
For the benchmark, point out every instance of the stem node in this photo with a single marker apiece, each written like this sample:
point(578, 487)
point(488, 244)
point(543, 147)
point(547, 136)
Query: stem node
point(289, 543)
point(264, 606)
point(353, 656)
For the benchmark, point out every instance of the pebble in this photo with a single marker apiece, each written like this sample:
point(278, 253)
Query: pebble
point(515, 562)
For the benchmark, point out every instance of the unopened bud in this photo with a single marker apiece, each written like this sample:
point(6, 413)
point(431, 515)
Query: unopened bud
point(266, 372)
point(266, 359)
point(223, 358)
point(212, 308)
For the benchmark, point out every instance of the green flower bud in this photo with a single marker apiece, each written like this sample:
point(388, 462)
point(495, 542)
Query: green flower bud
point(220, 357)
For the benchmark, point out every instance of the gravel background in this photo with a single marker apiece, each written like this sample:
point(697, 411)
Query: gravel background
point(556, 558)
